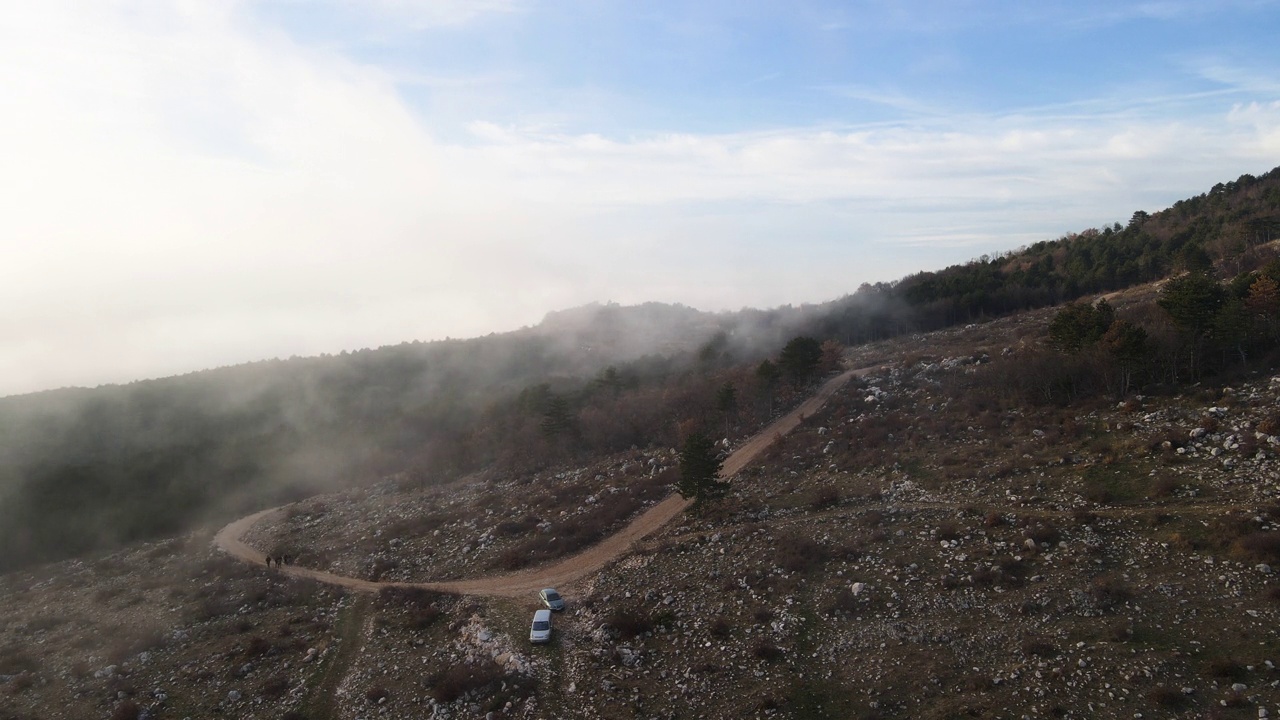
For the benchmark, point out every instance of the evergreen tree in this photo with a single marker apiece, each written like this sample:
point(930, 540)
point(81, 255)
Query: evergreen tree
point(727, 403)
point(556, 419)
point(1078, 325)
point(767, 373)
point(799, 359)
point(1192, 302)
point(1128, 348)
point(700, 471)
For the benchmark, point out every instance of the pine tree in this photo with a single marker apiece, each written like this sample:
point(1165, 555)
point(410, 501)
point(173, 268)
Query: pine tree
point(799, 359)
point(700, 471)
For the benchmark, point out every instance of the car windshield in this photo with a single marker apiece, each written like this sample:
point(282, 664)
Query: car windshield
point(553, 596)
point(542, 625)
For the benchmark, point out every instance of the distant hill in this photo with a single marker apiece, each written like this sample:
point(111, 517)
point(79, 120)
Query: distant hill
point(85, 469)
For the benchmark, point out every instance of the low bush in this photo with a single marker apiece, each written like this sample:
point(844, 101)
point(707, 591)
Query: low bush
point(275, 686)
point(463, 678)
point(15, 660)
point(768, 653)
point(127, 709)
point(1262, 546)
point(1228, 668)
point(376, 693)
point(800, 554)
point(823, 498)
point(1165, 697)
point(844, 603)
point(21, 683)
point(1109, 591)
point(1039, 647)
point(629, 623)
point(1042, 533)
point(517, 528)
point(258, 646)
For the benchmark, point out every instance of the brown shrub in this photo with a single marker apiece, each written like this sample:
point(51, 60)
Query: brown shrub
point(14, 660)
point(1262, 546)
point(978, 682)
point(376, 693)
point(1013, 571)
point(21, 683)
point(517, 528)
point(127, 709)
point(823, 498)
point(1165, 697)
point(768, 652)
point(949, 530)
point(127, 645)
point(1163, 488)
point(1084, 516)
point(1039, 647)
point(799, 554)
point(1228, 668)
point(275, 687)
point(1110, 590)
point(1270, 424)
point(461, 679)
point(1042, 533)
point(258, 646)
point(1120, 632)
point(629, 623)
point(1096, 492)
point(845, 602)
point(984, 576)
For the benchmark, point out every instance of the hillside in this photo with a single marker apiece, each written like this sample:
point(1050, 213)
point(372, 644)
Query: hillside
point(86, 470)
point(927, 545)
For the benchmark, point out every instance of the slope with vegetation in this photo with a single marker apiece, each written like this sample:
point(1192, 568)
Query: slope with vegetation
point(1067, 512)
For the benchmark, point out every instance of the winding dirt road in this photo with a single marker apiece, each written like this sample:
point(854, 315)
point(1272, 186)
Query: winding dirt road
point(566, 572)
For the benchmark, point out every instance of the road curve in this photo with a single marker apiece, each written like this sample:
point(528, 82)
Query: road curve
point(562, 573)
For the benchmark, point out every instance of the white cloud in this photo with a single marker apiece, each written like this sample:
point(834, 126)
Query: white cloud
point(184, 187)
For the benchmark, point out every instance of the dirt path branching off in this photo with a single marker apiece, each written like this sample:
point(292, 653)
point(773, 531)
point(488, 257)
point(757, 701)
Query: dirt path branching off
point(569, 570)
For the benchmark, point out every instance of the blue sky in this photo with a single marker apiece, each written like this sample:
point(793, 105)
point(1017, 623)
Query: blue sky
point(192, 184)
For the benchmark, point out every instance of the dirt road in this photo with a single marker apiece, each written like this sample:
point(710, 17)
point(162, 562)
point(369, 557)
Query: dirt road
point(563, 573)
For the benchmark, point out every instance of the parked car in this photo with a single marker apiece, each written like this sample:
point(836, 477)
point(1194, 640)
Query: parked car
point(540, 631)
point(551, 599)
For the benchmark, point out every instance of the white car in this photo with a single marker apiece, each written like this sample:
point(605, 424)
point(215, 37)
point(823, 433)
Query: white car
point(551, 599)
point(540, 631)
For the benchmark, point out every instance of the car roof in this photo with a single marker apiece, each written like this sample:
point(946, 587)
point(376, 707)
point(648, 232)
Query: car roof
point(550, 590)
point(542, 615)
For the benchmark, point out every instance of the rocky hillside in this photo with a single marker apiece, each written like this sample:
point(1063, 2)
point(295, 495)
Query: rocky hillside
point(924, 547)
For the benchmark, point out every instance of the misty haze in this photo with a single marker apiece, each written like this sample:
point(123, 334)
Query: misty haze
point(503, 359)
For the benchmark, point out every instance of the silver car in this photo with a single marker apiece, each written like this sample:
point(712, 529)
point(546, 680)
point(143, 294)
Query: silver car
point(540, 631)
point(551, 599)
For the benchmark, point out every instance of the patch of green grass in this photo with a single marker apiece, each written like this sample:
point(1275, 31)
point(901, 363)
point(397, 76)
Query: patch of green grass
point(1115, 483)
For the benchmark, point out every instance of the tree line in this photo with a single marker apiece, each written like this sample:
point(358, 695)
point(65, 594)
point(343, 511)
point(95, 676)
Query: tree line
point(87, 469)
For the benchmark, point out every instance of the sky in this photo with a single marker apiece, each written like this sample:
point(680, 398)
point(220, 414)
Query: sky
point(191, 184)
